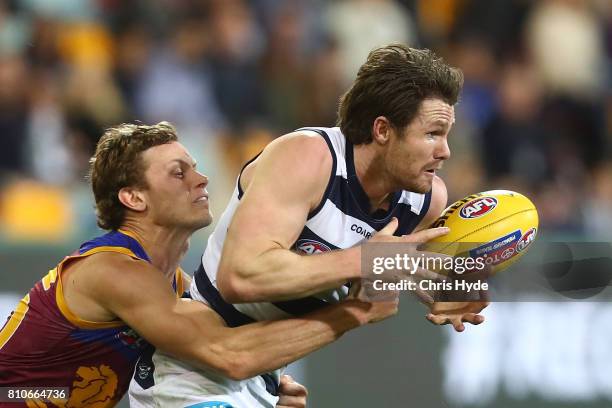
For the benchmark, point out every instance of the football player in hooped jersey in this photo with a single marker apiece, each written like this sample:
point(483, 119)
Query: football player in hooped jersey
point(86, 323)
point(375, 172)
point(289, 240)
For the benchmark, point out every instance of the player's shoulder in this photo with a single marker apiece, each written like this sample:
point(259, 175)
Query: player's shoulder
point(437, 204)
point(303, 154)
point(108, 265)
point(438, 185)
point(107, 276)
point(305, 143)
point(303, 150)
point(299, 164)
point(439, 197)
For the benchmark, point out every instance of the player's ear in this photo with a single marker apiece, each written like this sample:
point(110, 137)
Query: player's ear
point(132, 198)
point(381, 130)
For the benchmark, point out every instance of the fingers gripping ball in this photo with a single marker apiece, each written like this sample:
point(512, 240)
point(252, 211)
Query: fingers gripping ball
point(498, 225)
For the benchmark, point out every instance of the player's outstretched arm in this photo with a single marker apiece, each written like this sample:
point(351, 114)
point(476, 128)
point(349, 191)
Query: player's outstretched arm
point(288, 181)
point(138, 294)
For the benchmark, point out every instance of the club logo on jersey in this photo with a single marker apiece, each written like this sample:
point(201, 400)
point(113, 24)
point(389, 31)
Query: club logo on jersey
point(92, 387)
point(478, 207)
point(131, 339)
point(309, 246)
point(143, 371)
point(527, 238)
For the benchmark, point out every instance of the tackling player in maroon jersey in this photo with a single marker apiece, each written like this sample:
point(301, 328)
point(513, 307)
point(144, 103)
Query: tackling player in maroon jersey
point(85, 324)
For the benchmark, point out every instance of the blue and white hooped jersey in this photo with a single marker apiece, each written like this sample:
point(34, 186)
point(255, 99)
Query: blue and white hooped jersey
point(341, 220)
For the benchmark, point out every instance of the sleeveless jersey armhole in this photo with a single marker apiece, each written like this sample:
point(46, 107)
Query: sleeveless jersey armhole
point(62, 305)
point(332, 176)
point(240, 190)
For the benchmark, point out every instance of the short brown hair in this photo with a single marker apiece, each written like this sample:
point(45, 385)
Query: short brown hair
point(118, 163)
point(393, 82)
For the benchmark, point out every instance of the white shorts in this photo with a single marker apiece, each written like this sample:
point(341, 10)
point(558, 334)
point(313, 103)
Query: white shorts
point(180, 385)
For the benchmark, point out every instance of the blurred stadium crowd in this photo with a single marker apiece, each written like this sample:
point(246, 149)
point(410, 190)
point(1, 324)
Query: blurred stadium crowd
point(535, 114)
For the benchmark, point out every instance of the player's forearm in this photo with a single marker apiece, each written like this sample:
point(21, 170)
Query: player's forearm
point(197, 335)
point(280, 274)
point(265, 346)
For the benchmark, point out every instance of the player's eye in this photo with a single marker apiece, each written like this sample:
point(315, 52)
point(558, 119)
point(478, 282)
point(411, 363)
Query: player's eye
point(179, 174)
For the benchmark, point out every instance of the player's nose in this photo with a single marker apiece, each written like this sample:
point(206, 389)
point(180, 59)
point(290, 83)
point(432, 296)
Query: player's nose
point(202, 179)
point(443, 151)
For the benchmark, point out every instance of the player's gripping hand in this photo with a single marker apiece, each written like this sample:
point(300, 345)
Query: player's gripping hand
point(441, 312)
point(370, 305)
point(386, 234)
point(466, 309)
point(292, 394)
point(457, 313)
point(410, 246)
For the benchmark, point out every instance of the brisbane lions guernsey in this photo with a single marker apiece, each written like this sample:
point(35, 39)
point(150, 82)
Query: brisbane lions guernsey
point(44, 344)
point(340, 221)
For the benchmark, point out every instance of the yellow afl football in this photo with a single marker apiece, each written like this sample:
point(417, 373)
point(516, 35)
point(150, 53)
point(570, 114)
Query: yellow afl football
point(497, 225)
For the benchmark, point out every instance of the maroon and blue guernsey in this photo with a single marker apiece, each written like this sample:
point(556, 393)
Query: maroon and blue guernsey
point(44, 344)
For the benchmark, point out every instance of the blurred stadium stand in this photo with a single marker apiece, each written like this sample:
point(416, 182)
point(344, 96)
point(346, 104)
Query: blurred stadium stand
point(535, 116)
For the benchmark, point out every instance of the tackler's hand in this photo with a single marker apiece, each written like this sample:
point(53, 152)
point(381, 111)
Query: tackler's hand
point(292, 394)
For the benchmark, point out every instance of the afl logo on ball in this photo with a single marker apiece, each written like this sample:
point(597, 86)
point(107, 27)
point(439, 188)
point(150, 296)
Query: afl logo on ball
point(478, 207)
point(526, 239)
point(309, 247)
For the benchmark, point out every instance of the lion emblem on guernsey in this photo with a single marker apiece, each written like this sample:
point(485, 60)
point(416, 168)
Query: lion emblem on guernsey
point(94, 388)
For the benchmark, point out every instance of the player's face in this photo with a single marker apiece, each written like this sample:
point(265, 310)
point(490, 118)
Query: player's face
point(420, 148)
point(176, 195)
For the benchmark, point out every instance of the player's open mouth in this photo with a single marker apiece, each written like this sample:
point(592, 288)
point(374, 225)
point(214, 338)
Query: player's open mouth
point(432, 170)
point(200, 199)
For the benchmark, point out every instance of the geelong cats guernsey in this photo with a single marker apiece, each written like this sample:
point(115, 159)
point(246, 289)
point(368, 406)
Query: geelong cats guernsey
point(340, 221)
point(44, 344)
